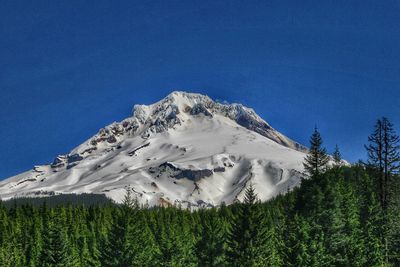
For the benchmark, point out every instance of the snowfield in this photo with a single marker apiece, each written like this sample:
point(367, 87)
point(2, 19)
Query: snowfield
point(183, 149)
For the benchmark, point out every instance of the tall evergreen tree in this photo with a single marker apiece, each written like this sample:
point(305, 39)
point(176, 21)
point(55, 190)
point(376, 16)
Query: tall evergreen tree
point(247, 234)
point(210, 246)
point(372, 231)
point(250, 196)
point(86, 257)
point(394, 220)
point(56, 249)
point(337, 156)
point(384, 158)
point(116, 250)
point(316, 161)
point(274, 245)
point(297, 242)
point(142, 245)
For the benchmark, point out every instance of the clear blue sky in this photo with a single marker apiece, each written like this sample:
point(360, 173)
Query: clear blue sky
point(69, 68)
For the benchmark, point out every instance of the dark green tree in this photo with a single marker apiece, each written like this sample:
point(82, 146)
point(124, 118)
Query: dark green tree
point(57, 250)
point(372, 232)
point(297, 242)
point(274, 246)
point(210, 246)
point(337, 157)
point(250, 196)
point(142, 244)
point(383, 156)
point(384, 159)
point(316, 161)
point(247, 234)
point(116, 250)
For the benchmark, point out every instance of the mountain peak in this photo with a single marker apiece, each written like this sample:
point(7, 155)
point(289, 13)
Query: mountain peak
point(185, 94)
point(183, 99)
point(185, 147)
point(177, 108)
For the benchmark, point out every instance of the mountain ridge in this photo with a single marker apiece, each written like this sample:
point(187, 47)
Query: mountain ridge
point(177, 130)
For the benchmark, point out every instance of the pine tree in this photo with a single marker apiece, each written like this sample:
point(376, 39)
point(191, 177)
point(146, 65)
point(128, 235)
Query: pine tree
point(394, 221)
point(93, 245)
point(316, 161)
point(250, 196)
point(87, 257)
point(337, 157)
point(273, 245)
point(35, 238)
point(372, 232)
point(142, 244)
point(384, 156)
point(247, 234)
point(116, 250)
point(298, 242)
point(165, 235)
point(332, 220)
point(184, 240)
point(350, 207)
point(56, 247)
point(384, 159)
point(210, 246)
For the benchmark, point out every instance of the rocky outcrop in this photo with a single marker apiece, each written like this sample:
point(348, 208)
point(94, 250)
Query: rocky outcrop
point(74, 158)
point(170, 170)
point(133, 152)
point(59, 161)
point(194, 175)
point(220, 169)
point(204, 151)
point(199, 108)
point(164, 115)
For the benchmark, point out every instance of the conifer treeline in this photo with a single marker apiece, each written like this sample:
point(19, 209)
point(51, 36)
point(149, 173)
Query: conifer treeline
point(336, 218)
point(333, 220)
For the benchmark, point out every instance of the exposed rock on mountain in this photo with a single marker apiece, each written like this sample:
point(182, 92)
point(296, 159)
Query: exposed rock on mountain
point(185, 149)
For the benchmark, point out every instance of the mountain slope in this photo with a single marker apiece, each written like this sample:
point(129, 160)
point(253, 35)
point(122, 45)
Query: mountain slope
point(185, 148)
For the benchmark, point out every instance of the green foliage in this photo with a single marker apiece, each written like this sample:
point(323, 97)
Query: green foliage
point(337, 157)
point(384, 163)
point(316, 161)
point(210, 245)
point(334, 219)
point(250, 196)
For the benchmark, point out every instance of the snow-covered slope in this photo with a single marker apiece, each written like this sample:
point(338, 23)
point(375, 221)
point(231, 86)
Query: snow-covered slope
point(184, 149)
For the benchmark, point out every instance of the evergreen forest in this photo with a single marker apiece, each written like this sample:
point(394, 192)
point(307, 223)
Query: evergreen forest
point(341, 215)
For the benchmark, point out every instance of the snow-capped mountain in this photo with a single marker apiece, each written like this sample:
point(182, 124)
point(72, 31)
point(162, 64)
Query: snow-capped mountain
point(185, 148)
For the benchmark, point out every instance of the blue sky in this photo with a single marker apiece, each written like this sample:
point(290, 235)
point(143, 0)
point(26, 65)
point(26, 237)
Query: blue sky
point(69, 68)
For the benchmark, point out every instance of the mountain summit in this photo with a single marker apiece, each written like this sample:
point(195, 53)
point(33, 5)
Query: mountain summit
point(184, 149)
